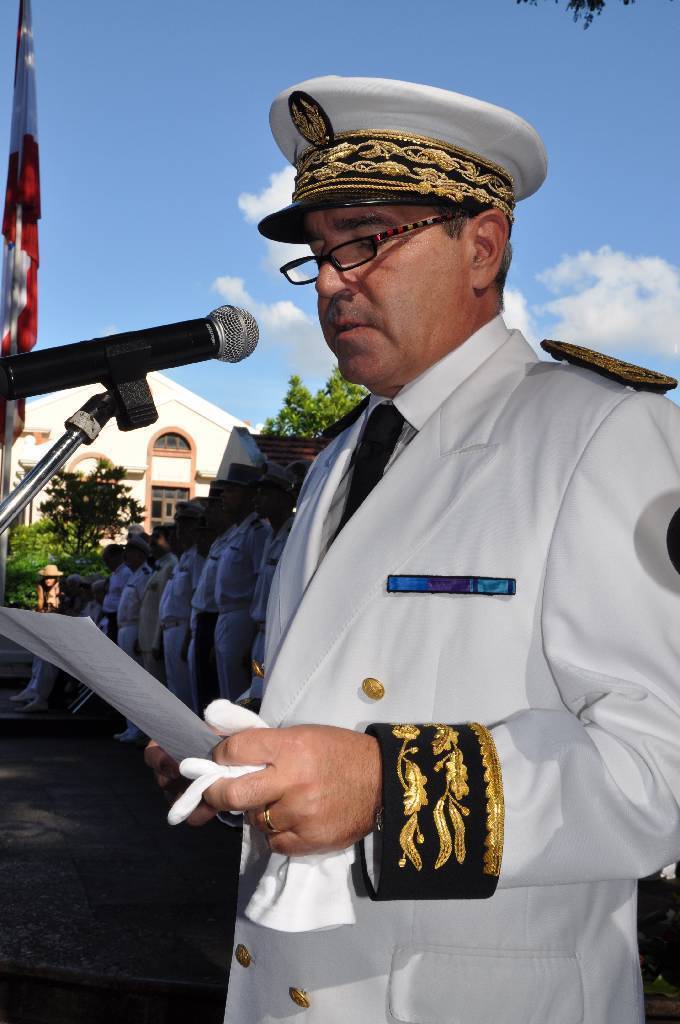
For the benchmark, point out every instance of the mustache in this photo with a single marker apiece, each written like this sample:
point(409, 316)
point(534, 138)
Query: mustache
point(340, 311)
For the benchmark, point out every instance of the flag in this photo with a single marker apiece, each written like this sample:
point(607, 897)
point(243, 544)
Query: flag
point(22, 211)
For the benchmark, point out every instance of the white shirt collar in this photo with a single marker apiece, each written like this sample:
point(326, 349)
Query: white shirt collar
point(418, 399)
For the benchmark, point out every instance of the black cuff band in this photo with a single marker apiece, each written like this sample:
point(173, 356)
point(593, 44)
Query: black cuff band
point(442, 835)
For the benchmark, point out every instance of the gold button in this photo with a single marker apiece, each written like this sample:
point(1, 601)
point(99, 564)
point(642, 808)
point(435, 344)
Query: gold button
point(243, 956)
point(373, 688)
point(300, 997)
point(257, 669)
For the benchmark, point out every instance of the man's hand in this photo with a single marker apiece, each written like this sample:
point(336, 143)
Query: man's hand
point(166, 773)
point(322, 785)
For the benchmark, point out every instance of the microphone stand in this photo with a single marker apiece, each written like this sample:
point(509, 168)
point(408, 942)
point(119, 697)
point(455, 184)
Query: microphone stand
point(130, 401)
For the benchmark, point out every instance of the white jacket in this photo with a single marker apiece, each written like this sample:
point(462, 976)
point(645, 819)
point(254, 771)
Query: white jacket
point(566, 482)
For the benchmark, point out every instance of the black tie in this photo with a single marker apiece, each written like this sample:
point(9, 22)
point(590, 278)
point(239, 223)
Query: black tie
point(377, 444)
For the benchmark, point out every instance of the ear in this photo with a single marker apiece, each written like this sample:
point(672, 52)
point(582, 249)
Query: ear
point(489, 233)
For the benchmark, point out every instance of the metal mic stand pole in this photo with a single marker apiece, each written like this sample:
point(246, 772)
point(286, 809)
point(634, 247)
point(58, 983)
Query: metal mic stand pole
point(81, 428)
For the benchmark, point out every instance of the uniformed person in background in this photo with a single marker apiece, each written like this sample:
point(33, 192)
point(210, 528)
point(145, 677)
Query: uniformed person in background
point(148, 638)
point(175, 605)
point(137, 553)
point(275, 496)
point(114, 560)
point(472, 636)
point(222, 516)
point(235, 581)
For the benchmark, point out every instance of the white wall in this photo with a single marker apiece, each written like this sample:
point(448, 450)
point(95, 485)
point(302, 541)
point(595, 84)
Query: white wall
point(206, 427)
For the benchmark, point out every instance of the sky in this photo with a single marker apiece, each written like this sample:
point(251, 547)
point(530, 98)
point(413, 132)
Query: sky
point(157, 162)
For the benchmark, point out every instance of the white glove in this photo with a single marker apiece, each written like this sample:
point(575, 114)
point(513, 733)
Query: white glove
point(295, 894)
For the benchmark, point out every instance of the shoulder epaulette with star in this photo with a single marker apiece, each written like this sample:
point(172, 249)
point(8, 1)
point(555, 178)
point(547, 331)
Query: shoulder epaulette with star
point(347, 420)
point(633, 376)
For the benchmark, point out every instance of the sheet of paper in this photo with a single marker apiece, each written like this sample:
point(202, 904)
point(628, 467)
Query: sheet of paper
point(82, 650)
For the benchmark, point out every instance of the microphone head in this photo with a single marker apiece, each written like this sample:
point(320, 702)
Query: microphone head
point(236, 331)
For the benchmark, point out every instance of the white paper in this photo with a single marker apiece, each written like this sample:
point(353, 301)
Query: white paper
point(78, 647)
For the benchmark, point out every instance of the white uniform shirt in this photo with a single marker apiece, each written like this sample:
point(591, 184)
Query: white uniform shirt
point(239, 564)
point(271, 554)
point(176, 600)
point(417, 401)
point(204, 595)
point(131, 598)
point(117, 580)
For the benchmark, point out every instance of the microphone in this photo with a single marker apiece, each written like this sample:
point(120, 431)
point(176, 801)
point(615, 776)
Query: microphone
point(228, 333)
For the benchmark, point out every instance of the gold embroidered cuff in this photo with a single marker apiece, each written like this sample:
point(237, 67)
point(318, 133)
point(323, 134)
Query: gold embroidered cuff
point(442, 835)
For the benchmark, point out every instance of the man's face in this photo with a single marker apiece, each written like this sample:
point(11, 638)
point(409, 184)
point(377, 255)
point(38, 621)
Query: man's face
point(159, 544)
point(236, 502)
point(389, 320)
point(187, 530)
point(271, 501)
point(134, 558)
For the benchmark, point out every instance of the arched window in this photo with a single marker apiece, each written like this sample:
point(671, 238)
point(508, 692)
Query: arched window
point(172, 443)
point(171, 472)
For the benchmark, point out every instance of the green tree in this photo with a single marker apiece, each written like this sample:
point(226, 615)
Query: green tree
point(84, 508)
point(586, 9)
point(32, 547)
point(306, 415)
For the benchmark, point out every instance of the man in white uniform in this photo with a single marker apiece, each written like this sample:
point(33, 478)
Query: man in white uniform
point(228, 503)
point(235, 584)
point(148, 638)
point(137, 552)
point(114, 559)
point(477, 606)
point(175, 606)
point(275, 496)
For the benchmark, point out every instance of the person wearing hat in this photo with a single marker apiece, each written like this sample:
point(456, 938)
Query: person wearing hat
point(175, 606)
point(137, 553)
point(472, 635)
point(222, 517)
point(276, 494)
point(149, 635)
point(236, 577)
point(35, 695)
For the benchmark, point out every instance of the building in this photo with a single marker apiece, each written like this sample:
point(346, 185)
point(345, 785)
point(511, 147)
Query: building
point(173, 459)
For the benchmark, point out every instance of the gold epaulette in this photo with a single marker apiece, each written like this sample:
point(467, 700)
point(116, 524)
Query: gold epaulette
point(637, 377)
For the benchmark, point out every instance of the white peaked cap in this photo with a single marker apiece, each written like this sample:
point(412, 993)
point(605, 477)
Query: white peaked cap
point(375, 139)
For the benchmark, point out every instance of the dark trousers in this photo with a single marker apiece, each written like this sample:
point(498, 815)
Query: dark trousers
point(112, 628)
point(207, 682)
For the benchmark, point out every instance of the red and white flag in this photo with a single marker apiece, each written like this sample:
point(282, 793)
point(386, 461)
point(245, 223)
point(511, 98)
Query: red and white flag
point(22, 211)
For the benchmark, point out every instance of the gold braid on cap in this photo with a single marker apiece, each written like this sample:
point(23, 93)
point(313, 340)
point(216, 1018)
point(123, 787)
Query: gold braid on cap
point(389, 163)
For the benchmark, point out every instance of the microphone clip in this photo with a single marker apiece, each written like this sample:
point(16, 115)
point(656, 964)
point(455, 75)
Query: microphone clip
point(126, 383)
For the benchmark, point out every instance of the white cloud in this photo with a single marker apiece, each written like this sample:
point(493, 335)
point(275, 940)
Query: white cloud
point(518, 316)
point(285, 324)
point(611, 300)
point(275, 196)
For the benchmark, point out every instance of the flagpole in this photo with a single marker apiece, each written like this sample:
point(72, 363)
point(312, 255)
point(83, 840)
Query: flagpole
point(10, 407)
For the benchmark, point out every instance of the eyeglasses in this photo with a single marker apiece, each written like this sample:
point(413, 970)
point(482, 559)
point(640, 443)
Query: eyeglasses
point(350, 255)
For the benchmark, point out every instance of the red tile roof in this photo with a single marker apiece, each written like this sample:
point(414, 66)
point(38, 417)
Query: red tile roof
point(283, 450)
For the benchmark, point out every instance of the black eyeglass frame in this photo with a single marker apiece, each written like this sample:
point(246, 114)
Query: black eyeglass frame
point(375, 240)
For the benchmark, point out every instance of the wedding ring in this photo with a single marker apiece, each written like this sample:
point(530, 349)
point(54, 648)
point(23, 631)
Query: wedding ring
point(268, 821)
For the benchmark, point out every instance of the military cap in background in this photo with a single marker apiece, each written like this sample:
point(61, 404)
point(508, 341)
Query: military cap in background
point(242, 474)
point(277, 476)
point(138, 542)
point(189, 510)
